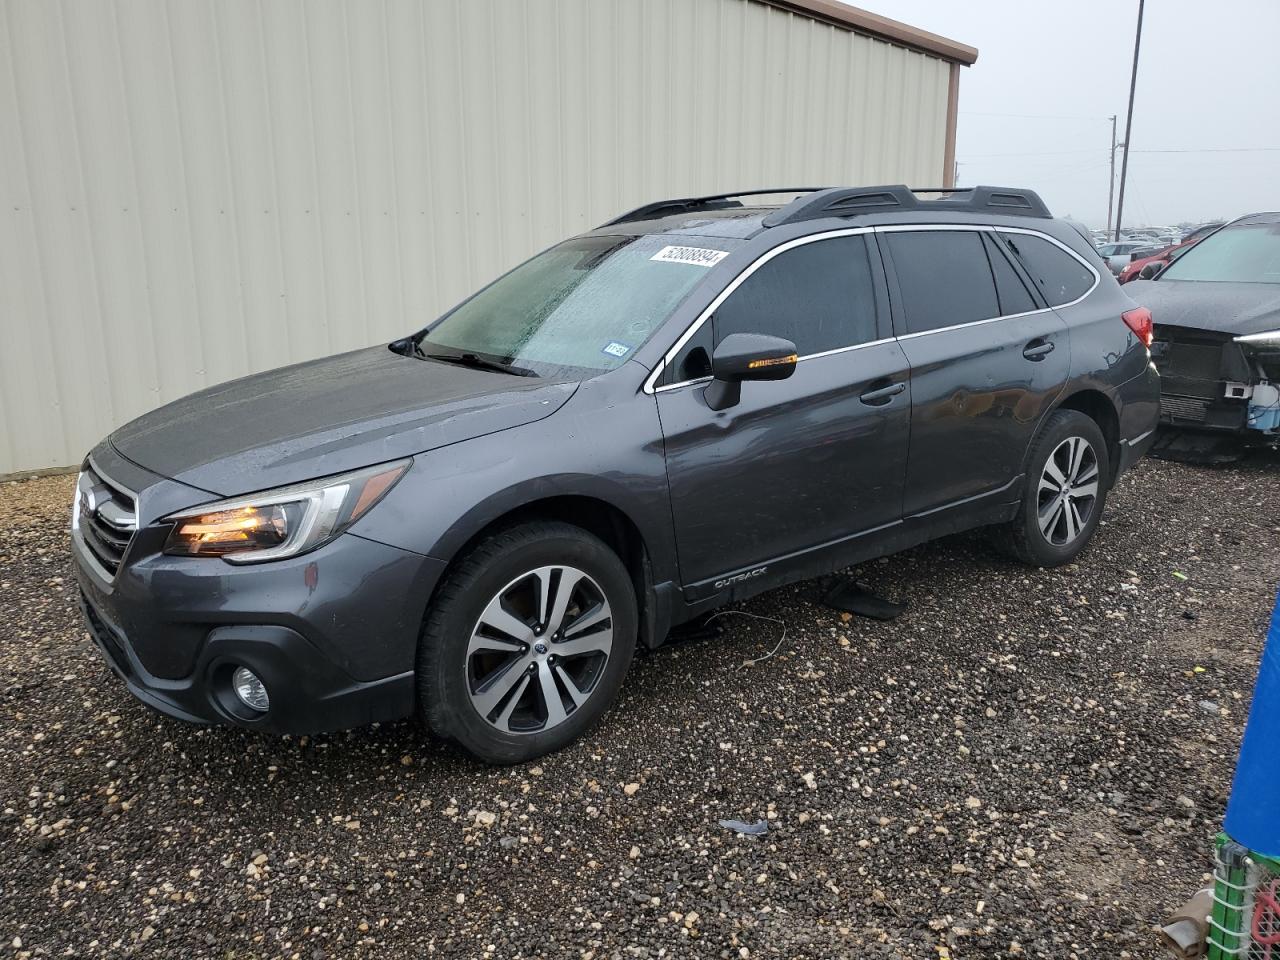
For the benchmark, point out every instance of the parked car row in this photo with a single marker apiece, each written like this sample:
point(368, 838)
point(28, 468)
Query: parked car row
point(1130, 257)
point(697, 401)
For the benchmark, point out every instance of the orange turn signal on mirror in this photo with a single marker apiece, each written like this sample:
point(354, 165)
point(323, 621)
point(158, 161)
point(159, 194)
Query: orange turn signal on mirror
point(772, 362)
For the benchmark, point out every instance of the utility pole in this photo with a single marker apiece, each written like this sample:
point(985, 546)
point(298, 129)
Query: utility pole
point(1111, 184)
point(1128, 123)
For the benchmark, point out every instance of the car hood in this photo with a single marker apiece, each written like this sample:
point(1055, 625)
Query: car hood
point(328, 416)
point(1234, 308)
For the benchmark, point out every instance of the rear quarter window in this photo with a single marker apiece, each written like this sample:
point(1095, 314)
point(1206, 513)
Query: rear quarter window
point(1060, 276)
point(944, 278)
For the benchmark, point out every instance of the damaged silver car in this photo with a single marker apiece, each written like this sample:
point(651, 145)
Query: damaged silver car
point(1217, 332)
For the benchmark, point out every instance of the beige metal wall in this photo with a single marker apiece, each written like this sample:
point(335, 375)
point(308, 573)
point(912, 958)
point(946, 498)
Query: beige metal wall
point(191, 191)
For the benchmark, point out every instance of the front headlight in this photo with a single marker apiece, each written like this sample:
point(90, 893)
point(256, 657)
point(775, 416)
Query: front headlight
point(1266, 337)
point(280, 523)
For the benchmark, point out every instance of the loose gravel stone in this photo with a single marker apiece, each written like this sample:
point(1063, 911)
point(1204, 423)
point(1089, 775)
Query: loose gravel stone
point(1023, 765)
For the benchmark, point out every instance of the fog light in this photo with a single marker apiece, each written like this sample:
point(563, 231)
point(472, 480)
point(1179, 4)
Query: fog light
point(250, 690)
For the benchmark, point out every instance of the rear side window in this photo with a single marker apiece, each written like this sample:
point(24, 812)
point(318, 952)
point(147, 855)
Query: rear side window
point(1062, 278)
point(818, 295)
point(1013, 293)
point(943, 276)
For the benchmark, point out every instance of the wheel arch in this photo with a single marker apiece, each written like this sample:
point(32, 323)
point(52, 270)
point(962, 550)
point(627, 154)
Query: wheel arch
point(1101, 409)
point(601, 518)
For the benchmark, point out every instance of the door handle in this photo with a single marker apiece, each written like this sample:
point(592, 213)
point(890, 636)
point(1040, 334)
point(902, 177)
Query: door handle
point(1038, 349)
point(882, 395)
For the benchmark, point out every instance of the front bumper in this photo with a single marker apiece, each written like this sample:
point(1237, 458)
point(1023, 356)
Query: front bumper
point(332, 633)
point(1214, 383)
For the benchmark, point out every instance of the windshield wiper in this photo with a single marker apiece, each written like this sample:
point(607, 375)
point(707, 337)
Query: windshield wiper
point(479, 363)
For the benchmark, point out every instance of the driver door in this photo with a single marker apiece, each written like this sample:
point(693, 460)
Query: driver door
point(796, 463)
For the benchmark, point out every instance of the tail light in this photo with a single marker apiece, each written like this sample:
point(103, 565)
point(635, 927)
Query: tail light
point(1139, 321)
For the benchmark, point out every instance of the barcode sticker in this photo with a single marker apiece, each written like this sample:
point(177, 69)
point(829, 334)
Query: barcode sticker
point(697, 256)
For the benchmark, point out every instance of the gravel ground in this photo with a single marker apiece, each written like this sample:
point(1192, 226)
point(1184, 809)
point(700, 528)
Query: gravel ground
point(1026, 763)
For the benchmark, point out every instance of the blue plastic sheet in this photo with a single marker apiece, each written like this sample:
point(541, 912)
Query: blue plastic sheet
point(1253, 812)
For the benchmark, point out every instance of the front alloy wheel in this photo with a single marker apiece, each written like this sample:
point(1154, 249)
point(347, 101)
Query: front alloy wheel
point(539, 649)
point(1068, 491)
point(526, 641)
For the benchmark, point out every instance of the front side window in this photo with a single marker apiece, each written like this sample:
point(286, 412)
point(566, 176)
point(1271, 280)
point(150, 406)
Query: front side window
point(943, 276)
point(819, 295)
point(1240, 253)
point(1060, 276)
point(580, 308)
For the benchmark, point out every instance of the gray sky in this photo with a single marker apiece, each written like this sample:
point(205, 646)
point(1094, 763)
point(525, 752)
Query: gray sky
point(1034, 108)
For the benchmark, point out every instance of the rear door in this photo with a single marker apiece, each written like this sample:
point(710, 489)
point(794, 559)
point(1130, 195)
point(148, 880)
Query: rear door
point(987, 359)
point(801, 462)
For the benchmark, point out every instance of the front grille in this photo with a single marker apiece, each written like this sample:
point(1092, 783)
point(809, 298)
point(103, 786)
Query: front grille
point(1184, 409)
point(105, 517)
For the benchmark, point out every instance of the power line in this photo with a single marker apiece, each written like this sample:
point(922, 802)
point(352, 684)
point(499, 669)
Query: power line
point(1030, 116)
point(1217, 150)
point(1065, 153)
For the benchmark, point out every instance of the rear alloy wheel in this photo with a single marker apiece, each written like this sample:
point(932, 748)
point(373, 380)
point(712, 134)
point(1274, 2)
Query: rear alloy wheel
point(1068, 491)
point(526, 642)
point(1065, 493)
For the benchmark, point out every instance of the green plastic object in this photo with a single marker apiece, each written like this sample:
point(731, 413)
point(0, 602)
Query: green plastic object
point(1238, 876)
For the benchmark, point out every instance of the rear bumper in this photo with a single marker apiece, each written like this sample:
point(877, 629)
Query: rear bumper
point(1131, 451)
point(1138, 404)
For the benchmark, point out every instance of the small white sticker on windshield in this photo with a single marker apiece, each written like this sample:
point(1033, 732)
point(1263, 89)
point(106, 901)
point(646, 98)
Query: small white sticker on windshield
point(698, 256)
point(615, 349)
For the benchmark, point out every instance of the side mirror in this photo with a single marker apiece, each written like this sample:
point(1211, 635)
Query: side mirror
point(747, 356)
point(1151, 270)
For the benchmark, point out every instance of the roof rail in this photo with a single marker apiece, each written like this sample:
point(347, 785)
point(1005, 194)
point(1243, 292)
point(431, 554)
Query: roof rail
point(717, 201)
point(851, 201)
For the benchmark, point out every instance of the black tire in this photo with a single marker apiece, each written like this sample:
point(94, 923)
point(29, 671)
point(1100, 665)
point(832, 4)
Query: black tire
point(444, 667)
point(1023, 538)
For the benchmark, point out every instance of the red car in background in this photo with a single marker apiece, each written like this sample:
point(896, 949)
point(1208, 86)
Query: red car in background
point(1134, 268)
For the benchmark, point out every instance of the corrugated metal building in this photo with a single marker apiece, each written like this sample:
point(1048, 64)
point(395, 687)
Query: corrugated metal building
point(193, 191)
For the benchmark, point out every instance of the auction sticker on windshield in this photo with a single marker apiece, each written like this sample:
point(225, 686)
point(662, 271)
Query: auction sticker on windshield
point(698, 256)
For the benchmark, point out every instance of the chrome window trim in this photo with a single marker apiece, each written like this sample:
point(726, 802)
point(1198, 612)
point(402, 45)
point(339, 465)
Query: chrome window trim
point(670, 355)
point(651, 381)
point(807, 356)
point(988, 228)
point(1097, 277)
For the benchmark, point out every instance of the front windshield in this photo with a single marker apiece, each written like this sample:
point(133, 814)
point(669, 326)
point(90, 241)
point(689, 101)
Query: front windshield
point(582, 307)
point(1242, 253)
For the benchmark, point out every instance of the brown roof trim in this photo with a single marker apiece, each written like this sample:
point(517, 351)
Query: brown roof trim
point(953, 108)
point(863, 21)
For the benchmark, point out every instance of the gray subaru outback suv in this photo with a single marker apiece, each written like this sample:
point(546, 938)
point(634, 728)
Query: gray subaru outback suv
point(698, 401)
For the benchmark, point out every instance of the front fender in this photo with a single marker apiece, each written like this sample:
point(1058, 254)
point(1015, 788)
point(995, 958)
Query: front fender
point(599, 446)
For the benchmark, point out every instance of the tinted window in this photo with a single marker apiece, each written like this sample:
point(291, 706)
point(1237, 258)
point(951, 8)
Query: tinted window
point(819, 295)
point(1062, 278)
point(944, 278)
point(1013, 293)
